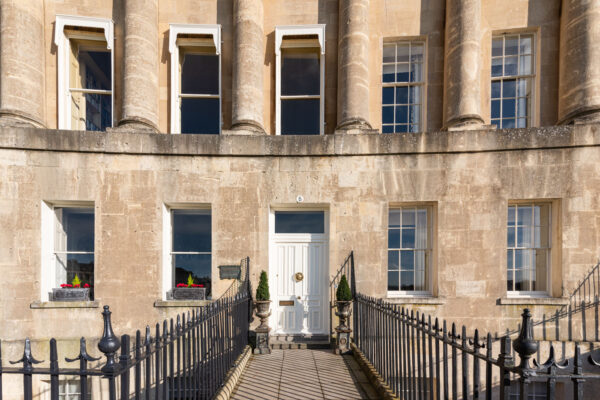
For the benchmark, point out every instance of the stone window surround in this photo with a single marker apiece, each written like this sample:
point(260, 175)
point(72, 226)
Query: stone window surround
point(48, 262)
point(534, 118)
point(167, 260)
point(425, 75)
point(62, 42)
point(429, 296)
point(189, 29)
point(553, 293)
point(298, 30)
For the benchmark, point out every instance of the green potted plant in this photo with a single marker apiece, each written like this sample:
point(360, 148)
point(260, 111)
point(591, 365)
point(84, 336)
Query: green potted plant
point(343, 296)
point(74, 291)
point(262, 301)
point(187, 291)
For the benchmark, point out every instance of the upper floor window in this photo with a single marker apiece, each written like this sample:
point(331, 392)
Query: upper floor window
point(528, 249)
point(85, 73)
point(67, 246)
point(513, 78)
point(403, 87)
point(300, 59)
point(188, 243)
point(195, 78)
point(409, 250)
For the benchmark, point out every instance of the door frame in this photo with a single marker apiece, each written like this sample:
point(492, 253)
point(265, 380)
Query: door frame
point(297, 238)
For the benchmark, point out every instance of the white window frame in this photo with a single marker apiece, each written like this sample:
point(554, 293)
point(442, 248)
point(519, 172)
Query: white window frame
point(534, 293)
point(189, 29)
point(48, 259)
point(63, 44)
point(531, 119)
point(299, 30)
point(422, 84)
point(167, 259)
point(428, 292)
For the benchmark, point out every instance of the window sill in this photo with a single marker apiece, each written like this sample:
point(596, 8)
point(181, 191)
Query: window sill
point(534, 301)
point(64, 304)
point(416, 300)
point(182, 303)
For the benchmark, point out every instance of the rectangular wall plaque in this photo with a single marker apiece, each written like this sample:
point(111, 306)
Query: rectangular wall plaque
point(229, 271)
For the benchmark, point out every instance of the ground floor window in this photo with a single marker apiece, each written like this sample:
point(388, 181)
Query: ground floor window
point(409, 250)
point(191, 242)
point(71, 390)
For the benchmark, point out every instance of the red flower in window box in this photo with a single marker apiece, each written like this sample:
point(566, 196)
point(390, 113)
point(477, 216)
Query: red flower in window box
point(74, 291)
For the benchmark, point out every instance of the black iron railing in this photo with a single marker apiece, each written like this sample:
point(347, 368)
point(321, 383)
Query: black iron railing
point(423, 358)
point(579, 320)
point(186, 358)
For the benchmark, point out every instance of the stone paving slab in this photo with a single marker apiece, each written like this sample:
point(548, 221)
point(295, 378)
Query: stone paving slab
point(303, 375)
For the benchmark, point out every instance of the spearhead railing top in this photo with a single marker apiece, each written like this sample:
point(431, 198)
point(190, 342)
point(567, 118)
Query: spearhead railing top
point(27, 358)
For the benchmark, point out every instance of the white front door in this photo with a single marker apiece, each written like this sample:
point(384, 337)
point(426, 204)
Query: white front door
point(298, 276)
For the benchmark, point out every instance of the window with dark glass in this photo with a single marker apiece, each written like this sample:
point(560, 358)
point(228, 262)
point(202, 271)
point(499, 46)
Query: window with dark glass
point(191, 247)
point(199, 96)
point(300, 222)
point(74, 245)
point(300, 91)
point(409, 250)
point(90, 87)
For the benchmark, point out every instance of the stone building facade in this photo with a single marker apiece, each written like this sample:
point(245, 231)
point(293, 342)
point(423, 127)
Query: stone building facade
point(493, 108)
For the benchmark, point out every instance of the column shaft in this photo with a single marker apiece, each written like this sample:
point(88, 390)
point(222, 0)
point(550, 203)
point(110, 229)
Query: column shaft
point(140, 66)
point(247, 101)
point(353, 65)
point(462, 77)
point(22, 62)
point(579, 82)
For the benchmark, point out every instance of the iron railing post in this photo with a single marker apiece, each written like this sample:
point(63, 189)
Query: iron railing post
point(124, 363)
point(506, 362)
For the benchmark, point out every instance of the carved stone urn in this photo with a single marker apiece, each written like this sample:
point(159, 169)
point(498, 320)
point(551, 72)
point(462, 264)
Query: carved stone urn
point(343, 312)
point(344, 309)
point(262, 332)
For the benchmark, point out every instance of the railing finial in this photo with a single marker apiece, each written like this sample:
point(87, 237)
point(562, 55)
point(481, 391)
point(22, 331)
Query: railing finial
point(27, 358)
point(524, 343)
point(109, 344)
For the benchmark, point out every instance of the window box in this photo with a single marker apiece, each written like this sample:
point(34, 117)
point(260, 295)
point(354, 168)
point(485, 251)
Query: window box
point(187, 293)
point(71, 294)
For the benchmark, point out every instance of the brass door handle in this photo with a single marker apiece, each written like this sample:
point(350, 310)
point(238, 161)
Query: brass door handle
point(299, 276)
point(298, 297)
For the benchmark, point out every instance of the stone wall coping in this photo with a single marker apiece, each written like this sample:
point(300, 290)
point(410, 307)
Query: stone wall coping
point(533, 301)
point(182, 303)
point(231, 144)
point(64, 304)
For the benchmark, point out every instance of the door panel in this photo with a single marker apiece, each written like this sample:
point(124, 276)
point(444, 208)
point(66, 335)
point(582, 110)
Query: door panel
point(307, 314)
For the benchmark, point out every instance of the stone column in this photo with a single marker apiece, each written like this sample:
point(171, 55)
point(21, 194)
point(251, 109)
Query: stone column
point(248, 59)
point(140, 66)
point(353, 65)
point(462, 105)
point(579, 82)
point(22, 63)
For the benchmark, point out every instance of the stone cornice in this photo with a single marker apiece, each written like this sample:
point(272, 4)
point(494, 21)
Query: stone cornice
point(232, 144)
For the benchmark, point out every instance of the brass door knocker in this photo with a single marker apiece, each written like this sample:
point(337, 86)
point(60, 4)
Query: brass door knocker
point(299, 276)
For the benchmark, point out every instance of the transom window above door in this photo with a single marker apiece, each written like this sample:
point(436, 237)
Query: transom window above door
point(300, 222)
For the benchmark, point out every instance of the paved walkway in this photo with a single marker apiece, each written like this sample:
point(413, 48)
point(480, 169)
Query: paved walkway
point(303, 374)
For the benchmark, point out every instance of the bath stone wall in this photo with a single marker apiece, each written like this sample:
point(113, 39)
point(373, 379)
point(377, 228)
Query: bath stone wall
point(468, 176)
